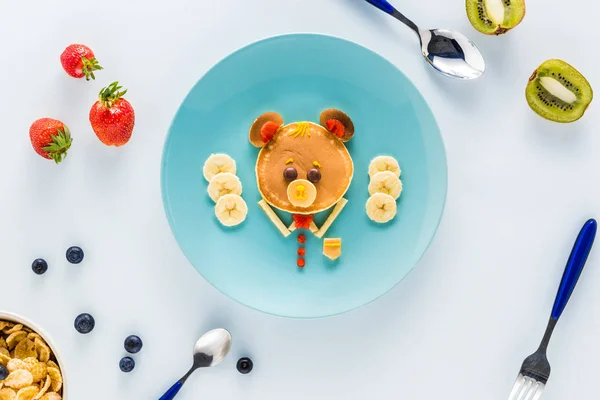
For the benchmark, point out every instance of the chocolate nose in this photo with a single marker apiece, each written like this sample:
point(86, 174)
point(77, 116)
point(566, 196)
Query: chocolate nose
point(301, 193)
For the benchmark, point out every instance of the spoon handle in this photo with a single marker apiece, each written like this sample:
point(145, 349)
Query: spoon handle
point(387, 8)
point(170, 394)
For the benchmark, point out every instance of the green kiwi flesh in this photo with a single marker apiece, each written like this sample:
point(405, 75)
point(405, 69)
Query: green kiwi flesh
point(558, 92)
point(495, 17)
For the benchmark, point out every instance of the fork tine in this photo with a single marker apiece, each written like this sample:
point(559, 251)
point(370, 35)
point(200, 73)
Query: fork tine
point(526, 387)
point(538, 392)
point(517, 387)
point(531, 388)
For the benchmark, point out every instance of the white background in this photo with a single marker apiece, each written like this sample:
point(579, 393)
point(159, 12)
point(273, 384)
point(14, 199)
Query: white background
point(458, 327)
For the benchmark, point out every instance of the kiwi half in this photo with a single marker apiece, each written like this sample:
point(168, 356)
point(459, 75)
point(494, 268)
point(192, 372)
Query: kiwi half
point(558, 92)
point(495, 17)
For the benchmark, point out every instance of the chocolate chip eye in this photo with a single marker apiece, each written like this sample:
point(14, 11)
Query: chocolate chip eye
point(314, 175)
point(290, 174)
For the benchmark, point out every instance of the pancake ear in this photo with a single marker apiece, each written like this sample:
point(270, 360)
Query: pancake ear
point(264, 127)
point(338, 123)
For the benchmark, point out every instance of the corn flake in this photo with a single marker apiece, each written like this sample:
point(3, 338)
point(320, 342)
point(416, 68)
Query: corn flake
point(51, 396)
point(15, 338)
point(44, 388)
point(25, 349)
point(56, 377)
point(19, 379)
point(7, 394)
point(27, 393)
point(42, 350)
point(38, 370)
point(16, 364)
point(13, 329)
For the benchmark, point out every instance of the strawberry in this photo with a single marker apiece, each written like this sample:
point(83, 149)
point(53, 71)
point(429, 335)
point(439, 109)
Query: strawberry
point(112, 116)
point(50, 139)
point(268, 130)
point(78, 61)
point(336, 127)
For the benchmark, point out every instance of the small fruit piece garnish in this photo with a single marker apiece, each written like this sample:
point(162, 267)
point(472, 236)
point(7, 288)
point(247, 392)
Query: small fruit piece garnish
point(244, 365)
point(85, 323)
point(332, 248)
point(79, 61)
point(74, 255)
point(50, 138)
point(302, 221)
point(301, 238)
point(39, 266)
point(301, 251)
point(558, 92)
point(127, 364)
point(495, 17)
point(112, 117)
point(268, 130)
point(301, 262)
point(336, 127)
point(133, 344)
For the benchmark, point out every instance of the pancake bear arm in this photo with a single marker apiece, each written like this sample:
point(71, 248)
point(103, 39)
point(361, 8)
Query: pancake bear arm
point(334, 214)
point(274, 218)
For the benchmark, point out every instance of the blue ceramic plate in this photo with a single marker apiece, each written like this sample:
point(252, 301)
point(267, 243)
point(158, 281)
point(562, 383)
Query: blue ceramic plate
point(299, 76)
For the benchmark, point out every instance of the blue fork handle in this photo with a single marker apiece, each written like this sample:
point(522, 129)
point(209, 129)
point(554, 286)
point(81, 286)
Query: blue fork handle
point(579, 254)
point(170, 394)
point(383, 5)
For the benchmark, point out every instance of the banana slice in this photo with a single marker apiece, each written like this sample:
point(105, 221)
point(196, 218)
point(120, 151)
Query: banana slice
point(384, 163)
point(381, 207)
point(386, 182)
point(216, 164)
point(222, 184)
point(231, 209)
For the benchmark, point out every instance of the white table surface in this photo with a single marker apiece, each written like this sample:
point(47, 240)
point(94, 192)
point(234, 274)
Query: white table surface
point(457, 327)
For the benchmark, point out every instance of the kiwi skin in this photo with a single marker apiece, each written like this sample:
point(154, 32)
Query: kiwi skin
point(475, 15)
point(550, 107)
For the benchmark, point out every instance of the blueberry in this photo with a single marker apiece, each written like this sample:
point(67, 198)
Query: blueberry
point(127, 364)
point(84, 323)
point(244, 365)
point(74, 255)
point(3, 372)
point(39, 266)
point(133, 344)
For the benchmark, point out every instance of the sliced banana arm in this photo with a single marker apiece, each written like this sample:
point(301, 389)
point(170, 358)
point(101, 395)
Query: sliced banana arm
point(332, 217)
point(274, 218)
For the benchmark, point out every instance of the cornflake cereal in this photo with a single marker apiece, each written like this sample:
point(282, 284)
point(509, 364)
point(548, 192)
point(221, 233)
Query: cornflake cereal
point(34, 373)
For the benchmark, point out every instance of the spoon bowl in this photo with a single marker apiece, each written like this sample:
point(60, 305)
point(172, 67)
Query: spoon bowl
point(209, 351)
point(449, 52)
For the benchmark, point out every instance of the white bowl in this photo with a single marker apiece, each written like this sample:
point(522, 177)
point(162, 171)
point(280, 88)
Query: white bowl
point(7, 316)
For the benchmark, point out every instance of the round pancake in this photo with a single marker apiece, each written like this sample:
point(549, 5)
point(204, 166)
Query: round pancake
point(305, 143)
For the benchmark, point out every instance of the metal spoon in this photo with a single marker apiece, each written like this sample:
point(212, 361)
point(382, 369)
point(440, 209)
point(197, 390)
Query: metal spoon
point(448, 52)
point(209, 351)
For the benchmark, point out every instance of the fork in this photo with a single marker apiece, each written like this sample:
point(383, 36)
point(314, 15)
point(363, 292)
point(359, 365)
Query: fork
point(535, 370)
